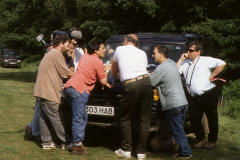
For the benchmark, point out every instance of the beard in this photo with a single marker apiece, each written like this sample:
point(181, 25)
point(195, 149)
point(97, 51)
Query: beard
point(65, 52)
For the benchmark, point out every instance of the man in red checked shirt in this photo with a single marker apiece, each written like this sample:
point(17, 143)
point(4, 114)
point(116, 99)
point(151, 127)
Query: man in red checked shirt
point(78, 88)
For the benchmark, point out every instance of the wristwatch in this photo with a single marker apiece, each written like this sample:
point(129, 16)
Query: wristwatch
point(107, 71)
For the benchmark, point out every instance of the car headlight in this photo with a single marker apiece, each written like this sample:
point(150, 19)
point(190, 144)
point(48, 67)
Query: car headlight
point(155, 94)
point(5, 60)
point(18, 60)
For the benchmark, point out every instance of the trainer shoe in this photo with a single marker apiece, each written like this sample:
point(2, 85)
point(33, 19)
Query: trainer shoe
point(50, 146)
point(121, 153)
point(209, 145)
point(178, 154)
point(200, 144)
point(67, 146)
point(141, 156)
point(80, 150)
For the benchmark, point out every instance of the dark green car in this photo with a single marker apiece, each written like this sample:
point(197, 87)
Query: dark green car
point(10, 57)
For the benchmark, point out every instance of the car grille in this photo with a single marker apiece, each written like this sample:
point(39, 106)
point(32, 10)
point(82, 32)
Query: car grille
point(106, 97)
point(12, 61)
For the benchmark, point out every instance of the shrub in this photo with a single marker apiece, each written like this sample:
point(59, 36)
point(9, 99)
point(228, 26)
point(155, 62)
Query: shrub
point(231, 103)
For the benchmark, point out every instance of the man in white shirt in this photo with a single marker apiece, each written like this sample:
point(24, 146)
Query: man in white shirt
point(198, 72)
point(77, 56)
point(132, 64)
point(78, 52)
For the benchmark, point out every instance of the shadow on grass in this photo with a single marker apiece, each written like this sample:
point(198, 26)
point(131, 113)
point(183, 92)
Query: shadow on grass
point(19, 76)
point(110, 139)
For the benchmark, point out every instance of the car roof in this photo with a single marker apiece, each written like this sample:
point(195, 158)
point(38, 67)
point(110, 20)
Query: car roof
point(152, 38)
point(182, 38)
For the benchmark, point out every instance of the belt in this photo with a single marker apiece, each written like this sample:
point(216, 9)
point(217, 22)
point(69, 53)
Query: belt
point(206, 93)
point(135, 79)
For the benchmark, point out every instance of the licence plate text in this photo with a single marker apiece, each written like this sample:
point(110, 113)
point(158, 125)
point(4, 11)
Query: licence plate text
point(109, 111)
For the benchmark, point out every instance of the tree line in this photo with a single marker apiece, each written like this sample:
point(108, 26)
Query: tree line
point(22, 20)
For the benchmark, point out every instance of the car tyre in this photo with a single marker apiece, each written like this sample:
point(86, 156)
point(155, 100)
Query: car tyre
point(2, 65)
point(162, 139)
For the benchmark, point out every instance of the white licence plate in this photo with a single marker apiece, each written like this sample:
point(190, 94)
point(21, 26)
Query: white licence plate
point(13, 63)
point(108, 111)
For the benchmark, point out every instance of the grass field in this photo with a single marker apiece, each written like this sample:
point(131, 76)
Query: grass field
point(17, 108)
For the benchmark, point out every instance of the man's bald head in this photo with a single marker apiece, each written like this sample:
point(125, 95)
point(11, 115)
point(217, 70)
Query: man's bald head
point(131, 38)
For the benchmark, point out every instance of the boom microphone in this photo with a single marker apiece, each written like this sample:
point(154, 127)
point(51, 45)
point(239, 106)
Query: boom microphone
point(76, 34)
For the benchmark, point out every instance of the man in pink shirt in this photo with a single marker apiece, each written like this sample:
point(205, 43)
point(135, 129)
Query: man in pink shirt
point(78, 88)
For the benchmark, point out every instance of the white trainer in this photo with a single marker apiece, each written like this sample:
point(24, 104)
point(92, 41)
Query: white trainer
point(141, 156)
point(121, 153)
point(49, 146)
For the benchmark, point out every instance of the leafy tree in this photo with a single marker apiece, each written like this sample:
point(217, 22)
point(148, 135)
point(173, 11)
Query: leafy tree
point(22, 20)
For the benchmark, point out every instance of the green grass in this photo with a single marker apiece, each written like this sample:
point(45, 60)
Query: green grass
point(17, 108)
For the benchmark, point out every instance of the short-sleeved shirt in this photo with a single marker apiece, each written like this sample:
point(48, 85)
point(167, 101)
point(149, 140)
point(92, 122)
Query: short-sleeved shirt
point(200, 82)
point(49, 78)
point(89, 69)
point(167, 78)
point(132, 62)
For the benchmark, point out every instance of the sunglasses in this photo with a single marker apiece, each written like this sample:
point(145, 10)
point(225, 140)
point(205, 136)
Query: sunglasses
point(190, 50)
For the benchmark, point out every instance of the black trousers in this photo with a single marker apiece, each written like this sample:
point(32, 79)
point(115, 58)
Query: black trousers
point(206, 103)
point(136, 94)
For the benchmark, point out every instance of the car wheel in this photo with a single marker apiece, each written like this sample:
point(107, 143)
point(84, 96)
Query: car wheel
point(2, 65)
point(162, 139)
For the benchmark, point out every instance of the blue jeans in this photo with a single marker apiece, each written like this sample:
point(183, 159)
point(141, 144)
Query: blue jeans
point(79, 114)
point(35, 123)
point(176, 118)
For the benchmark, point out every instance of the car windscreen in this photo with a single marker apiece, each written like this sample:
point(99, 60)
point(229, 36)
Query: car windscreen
point(175, 50)
point(10, 54)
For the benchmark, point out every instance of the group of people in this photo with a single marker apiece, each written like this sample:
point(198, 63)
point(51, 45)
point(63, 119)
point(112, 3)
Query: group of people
point(197, 71)
point(131, 62)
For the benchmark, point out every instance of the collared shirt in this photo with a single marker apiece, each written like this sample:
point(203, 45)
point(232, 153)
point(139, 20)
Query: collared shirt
point(51, 71)
point(169, 83)
point(90, 69)
point(132, 62)
point(199, 77)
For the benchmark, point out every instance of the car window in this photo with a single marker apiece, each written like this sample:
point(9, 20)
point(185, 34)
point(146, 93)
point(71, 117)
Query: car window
point(176, 51)
point(10, 54)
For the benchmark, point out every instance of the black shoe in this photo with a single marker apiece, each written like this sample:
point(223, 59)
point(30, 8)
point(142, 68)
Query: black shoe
point(28, 132)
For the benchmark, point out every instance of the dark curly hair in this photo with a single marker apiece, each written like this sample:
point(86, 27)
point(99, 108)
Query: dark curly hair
point(60, 39)
point(164, 50)
point(94, 45)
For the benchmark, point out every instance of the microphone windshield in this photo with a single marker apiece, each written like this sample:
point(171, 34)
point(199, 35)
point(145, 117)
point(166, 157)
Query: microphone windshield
point(76, 34)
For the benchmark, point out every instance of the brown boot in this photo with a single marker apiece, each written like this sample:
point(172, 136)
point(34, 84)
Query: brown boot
point(210, 145)
point(200, 144)
point(80, 151)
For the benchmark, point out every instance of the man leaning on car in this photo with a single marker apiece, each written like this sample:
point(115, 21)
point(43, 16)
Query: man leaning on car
point(79, 87)
point(48, 88)
point(132, 64)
